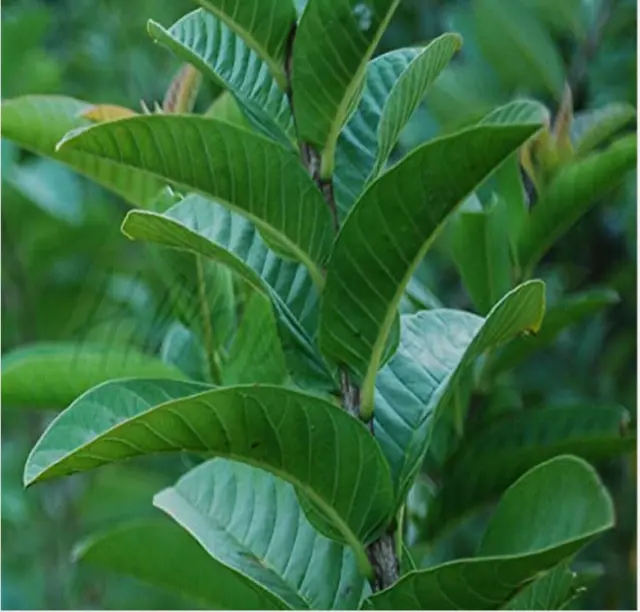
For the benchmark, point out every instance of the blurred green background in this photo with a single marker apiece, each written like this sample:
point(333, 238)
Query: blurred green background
point(68, 273)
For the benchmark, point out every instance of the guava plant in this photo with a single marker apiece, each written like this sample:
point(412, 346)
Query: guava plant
point(313, 412)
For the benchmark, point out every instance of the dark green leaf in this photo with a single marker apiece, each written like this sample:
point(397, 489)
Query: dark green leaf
point(248, 173)
point(532, 530)
point(493, 457)
point(162, 554)
point(549, 592)
point(328, 455)
point(386, 243)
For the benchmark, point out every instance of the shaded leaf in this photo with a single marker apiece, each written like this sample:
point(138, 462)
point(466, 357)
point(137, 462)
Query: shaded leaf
point(52, 375)
point(246, 172)
point(333, 43)
point(595, 127)
point(387, 242)
point(531, 531)
point(328, 455)
point(548, 592)
point(496, 455)
point(139, 549)
point(250, 521)
point(37, 123)
point(570, 194)
point(181, 348)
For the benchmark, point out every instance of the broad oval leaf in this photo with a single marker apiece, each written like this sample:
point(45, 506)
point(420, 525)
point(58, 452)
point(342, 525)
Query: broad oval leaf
point(140, 549)
point(570, 194)
point(386, 242)
point(53, 374)
point(532, 530)
point(38, 123)
point(208, 229)
point(250, 521)
point(495, 456)
point(409, 90)
point(328, 455)
point(204, 41)
point(416, 409)
point(264, 25)
point(248, 173)
point(333, 43)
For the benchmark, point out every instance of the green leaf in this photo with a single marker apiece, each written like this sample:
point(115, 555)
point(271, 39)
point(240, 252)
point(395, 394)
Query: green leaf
point(204, 41)
point(256, 354)
point(496, 455)
point(416, 391)
point(333, 44)
point(531, 531)
point(328, 455)
point(251, 522)
point(244, 171)
point(568, 311)
point(481, 253)
point(207, 229)
point(37, 123)
point(386, 243)
point(53, 374)
point(264, 26)
point(162, 554)
point(593, 128)
point(181, 348)
point(409, 90)
point(549, 592)
point(518, 47)
point(571, 194)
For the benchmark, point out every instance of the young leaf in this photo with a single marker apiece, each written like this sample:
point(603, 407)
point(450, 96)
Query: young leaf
point(246, 172)
point(52, 375)
point(531, 531)
point(204, 41)
point(567, 312)
point(264, 26)
point(207, 229)
point(408, 92)
point(387, 242)
point(250, 521)
point(140, 549)
point(548, 592)
point(256, 356)
point(481, 253)
point(571, 193)
point(592, 128)
point(415, 391)
point(183, 91)
point(329, 456)
point(38, 123)
point(333, 44)
point(495, 456)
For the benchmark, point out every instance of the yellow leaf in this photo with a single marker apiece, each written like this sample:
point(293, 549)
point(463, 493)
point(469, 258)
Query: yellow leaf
point(107, 112)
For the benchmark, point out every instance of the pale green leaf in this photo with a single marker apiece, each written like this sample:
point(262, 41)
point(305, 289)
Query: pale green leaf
point(572, 192)
point(181, 348)
point(38, 123)
point(264, 26)
point(328, 455)
point(495, 456)
point(416, 391)
point(532, 530)
point(204, 41)
point(248, 173)
point(333, 44)
point(388, 233)
point(251, 522)
point(548, 592)
point(52, 375)
point(164, 555)
point(408, 92)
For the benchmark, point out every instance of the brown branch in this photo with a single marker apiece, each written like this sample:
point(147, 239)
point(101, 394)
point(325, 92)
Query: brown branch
point(382, 552)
